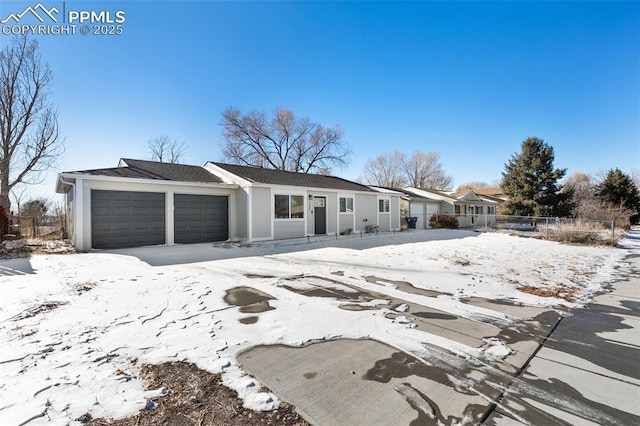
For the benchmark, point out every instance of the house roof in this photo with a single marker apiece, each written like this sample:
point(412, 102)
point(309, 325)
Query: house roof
point(429, 193)
point(407, 193)
point(174, 172)
point(387, 190)
point(126, 172)
point(494, 191)
point(142, 169)
point(468, 196)
point(281, 177)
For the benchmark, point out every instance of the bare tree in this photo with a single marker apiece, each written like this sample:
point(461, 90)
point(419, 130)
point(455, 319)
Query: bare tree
point(166, 150)
point(395, 170)
point(386, 170)
point(281, 141)
point(425, 171)
point(29, 133)
point(581, 187)
point(477, 184)
point(19, 194)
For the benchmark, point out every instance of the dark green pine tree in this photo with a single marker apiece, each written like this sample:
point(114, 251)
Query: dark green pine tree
point(531, 182)
point(620, 191)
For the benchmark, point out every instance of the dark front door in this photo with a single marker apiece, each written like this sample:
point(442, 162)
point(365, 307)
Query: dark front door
point(320, 213)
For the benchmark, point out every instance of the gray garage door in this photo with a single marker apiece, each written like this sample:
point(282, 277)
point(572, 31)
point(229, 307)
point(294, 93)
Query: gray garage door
point(200, 218)
point(122, 219)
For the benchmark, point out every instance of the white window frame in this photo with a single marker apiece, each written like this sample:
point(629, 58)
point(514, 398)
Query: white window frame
point(386, 203)
point(346, 204)
point(290, 205)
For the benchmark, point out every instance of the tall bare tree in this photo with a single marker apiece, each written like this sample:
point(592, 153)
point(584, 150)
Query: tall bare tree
point(386, 170)
point(282, 141)
point(166, 150)
point(19, 194)
point(582, 191)
point(396, 170)
point(423, 170)
point(29, 136)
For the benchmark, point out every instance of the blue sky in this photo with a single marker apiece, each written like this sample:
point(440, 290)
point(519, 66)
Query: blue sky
point(468, 79)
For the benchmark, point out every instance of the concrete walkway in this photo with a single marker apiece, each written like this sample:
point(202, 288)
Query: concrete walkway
point(591, 362)
point(582, 368)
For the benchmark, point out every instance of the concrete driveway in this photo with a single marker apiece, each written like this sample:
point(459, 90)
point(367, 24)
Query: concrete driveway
point(578, 367)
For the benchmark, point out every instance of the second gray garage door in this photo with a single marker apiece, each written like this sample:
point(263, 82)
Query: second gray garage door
point(200, 218)
point(126, 219)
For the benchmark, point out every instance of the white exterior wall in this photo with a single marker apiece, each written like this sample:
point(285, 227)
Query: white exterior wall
point(242, 213)
point(394, 219)
point(261, 213)
point(346, 220)
point(417, 209)
point(83, 188)
point(288, 228)
point(423, 210)
point(366, 207)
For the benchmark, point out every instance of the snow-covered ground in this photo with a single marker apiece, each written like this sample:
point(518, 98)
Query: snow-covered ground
point(75, 328)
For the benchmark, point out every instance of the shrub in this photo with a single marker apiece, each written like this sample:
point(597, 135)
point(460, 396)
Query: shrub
point(448, 221)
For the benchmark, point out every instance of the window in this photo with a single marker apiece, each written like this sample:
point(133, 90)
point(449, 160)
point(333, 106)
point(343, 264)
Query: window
point(346, 205)
point(297, 207)
point(457, 207)
point(491, 210)
point(478, 209)
point(289, 207)
point(383, 206)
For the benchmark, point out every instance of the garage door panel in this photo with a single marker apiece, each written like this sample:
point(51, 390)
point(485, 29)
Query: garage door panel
point(200, 218)
point(122, 219)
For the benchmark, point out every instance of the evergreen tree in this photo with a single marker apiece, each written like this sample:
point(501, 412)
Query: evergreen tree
point(620, 191)
point(531, 182)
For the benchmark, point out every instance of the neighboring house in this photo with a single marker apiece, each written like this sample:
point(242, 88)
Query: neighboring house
point(147, 203)
point(493, 193)
point(472, 211)
point(421, 207)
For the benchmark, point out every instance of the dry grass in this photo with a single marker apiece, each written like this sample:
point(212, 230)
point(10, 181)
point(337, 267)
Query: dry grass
point(566, 293)
point(195, 397)
point(581, 232)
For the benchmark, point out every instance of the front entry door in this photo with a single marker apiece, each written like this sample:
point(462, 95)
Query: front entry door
point(320, 213)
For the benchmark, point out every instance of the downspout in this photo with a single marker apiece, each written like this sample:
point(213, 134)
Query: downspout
point(66, 204)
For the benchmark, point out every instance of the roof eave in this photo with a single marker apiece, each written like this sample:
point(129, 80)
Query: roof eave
point(68, 175)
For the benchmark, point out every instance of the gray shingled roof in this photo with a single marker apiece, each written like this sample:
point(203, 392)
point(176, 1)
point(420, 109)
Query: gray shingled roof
point(177, 172)
point(280, 177)
point(141, 169)
point(126, 172)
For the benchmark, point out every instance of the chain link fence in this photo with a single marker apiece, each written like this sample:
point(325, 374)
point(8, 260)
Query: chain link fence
point(580, 231)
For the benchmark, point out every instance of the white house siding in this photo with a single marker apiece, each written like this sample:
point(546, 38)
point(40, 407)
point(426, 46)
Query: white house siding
point(394, 219)
point(288, 228)
point(346, 222)
point(82, 226)
point(261, 213)
point(417, 210)
point(384, 222)
point(366, 207)
point(446, 207)
point(241, 214)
